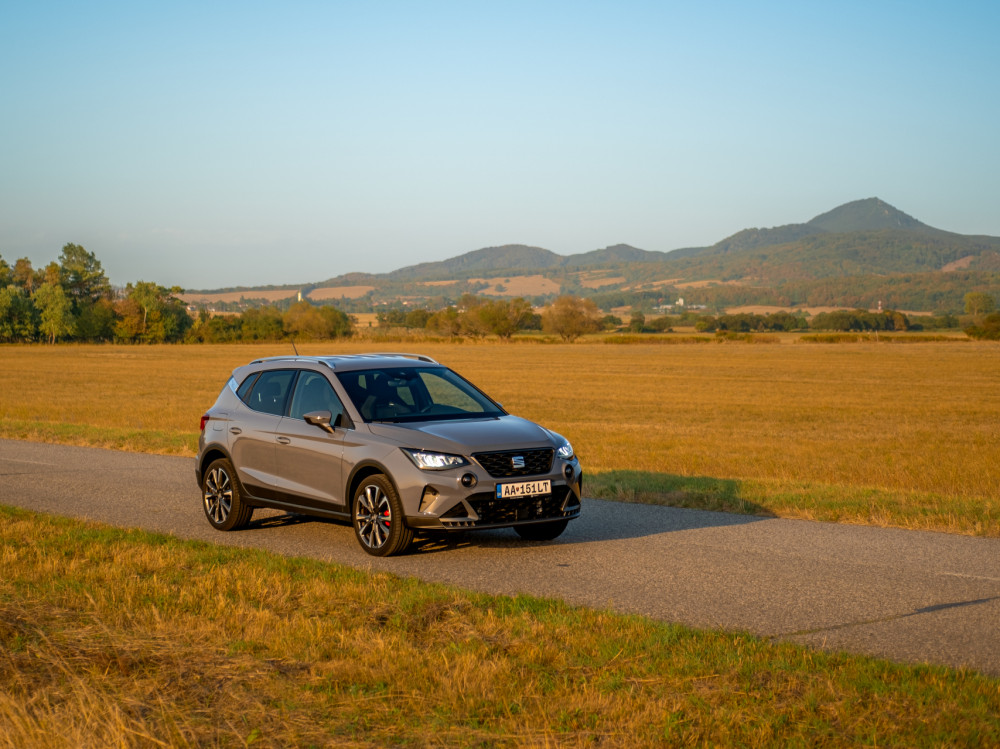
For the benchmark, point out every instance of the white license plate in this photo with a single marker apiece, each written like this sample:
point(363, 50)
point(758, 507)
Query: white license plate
point(524, 489)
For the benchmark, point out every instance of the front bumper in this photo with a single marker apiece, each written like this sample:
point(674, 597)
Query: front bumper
point(447, 505)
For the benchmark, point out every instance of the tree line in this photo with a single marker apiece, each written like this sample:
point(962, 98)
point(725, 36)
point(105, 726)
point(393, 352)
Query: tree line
point(72, 299)
point(568, 317)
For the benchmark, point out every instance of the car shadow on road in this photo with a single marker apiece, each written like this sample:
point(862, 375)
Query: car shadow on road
point(705, 503)
point(672, 490)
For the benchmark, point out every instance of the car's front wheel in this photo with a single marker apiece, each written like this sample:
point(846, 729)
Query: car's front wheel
point(221, 499)
point(541, 531)
point(378, 518)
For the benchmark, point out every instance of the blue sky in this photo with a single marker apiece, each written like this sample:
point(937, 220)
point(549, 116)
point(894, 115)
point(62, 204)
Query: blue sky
point(216, 144)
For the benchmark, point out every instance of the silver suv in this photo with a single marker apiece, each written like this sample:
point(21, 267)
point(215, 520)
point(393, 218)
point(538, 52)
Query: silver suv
point(397, 444)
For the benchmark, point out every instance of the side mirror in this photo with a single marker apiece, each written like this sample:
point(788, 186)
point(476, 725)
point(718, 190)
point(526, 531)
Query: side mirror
point(320, 419)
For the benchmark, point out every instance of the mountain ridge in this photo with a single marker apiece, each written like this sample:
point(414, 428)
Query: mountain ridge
point(862, 238)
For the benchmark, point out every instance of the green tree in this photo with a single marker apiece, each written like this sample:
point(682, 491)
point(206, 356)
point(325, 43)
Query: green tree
point(502, 317)
point(6, 273)
point(661, 324)
point(637, 322)
point(988, 329)
point(52, 275)
point(445, 322)
point(784, 321)
point(978, 303)
point(83, 276)
point(55, 311)
point(17, 315)
point(391, 318)
point(24, 275)
point(263, 324)
point(610, 322)
point(417, 318)
point(130, 319)
point(706, 324)
point(96, 322)
point(304, 321)
point(150, 313)
point(570, 317)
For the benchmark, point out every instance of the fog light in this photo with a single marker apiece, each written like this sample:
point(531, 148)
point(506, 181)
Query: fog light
point(427, 498)
point(469, 480)
point(568, 472)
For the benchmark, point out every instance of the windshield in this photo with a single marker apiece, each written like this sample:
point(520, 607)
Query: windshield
point(415, 394)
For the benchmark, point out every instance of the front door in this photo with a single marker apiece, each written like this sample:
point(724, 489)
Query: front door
point(308, 458)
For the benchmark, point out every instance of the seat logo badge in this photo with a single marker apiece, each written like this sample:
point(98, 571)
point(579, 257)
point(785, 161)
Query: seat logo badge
point(517, 461)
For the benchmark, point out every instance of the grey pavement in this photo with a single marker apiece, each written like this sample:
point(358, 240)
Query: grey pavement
point(904, 595)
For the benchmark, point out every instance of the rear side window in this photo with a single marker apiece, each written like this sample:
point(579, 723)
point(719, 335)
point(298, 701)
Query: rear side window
point(244, 392)
point(269, 392)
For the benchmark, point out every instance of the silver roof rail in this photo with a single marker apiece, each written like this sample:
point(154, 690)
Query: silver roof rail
point(331, 361)
point(285, 358)
point(418, 357)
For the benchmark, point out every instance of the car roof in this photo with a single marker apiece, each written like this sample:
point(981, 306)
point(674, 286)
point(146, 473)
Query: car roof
point(341, 362)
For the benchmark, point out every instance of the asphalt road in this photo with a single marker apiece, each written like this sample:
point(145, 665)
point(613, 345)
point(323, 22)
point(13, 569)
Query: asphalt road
point(904, 595)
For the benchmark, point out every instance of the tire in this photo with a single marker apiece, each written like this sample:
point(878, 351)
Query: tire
point(541, 531)
point(377, 515)
point(222, 498)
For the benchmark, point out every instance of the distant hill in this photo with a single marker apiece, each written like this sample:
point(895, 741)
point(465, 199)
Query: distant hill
point(486, 260)
point(619, 253)
point(871, 214)
point(865, 248)
point(751, 239)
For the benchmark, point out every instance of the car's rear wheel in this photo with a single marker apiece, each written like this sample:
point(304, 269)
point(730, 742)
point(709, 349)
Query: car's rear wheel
point(378, 518)
point(221, 498)
point(541, 531)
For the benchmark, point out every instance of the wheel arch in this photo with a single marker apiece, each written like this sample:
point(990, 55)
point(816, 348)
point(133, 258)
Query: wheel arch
point(362, 471)
point(210, 455)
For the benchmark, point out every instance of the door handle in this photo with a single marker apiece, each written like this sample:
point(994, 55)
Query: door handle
point(284, 440)
point(235, 430)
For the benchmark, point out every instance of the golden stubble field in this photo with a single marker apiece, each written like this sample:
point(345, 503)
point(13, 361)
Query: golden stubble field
point(891, 434)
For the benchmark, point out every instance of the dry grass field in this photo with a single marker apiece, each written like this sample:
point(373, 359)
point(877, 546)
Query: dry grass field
point(535, 285)
point(120, 638)
point(235, 296)
point(338, 292)
point(902, 435)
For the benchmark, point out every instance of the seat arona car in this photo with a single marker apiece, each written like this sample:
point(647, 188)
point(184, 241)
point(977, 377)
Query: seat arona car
point(396, 444)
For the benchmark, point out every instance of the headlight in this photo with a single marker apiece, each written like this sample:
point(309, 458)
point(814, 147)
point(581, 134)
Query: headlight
point(565, 451)
point(426, 461)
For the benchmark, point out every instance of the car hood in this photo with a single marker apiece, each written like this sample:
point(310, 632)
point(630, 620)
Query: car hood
point(467, 436)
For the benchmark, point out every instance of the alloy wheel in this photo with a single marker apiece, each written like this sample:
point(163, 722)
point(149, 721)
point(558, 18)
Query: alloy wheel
point(218, 495)
point(374, 517)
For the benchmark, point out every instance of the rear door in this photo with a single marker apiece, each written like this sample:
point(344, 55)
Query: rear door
point(253, 433)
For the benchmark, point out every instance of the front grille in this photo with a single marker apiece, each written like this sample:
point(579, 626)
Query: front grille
point(492, 511)
point(501, 465)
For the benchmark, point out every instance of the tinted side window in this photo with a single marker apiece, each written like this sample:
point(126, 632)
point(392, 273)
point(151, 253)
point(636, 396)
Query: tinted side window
point(270, 391)
point(314, 393)
point(244, 392)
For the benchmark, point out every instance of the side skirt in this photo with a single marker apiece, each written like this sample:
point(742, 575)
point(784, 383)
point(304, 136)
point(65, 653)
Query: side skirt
point(260, 497)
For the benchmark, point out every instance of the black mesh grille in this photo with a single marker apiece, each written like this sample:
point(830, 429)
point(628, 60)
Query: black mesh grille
point(501, 465)
point(492, 511)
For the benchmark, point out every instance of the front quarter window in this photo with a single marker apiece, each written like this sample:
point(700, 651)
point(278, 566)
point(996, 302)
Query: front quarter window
point(313, 393)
